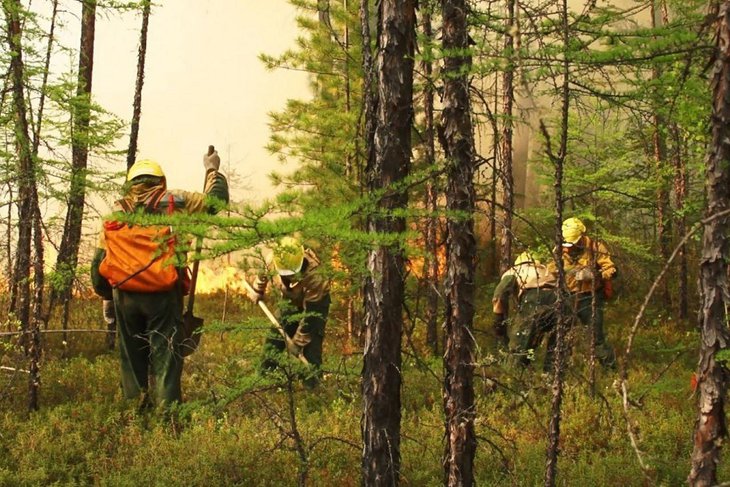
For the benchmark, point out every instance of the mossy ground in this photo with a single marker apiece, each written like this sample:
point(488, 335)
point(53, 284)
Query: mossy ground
point(237, 428)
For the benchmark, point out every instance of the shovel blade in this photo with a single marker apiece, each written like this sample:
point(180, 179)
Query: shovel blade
point(191, 331)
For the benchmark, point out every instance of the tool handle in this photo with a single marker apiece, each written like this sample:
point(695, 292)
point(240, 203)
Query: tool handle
point(275, 322)
point(194, 276)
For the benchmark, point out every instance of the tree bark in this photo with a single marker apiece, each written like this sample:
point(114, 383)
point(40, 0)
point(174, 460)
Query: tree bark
point(508, 100)
point(137, 103)
point(712, 375)
point(369, 108)
point(26, 173)
point(431, 265)
point(381, 374)
point(659, 147)
point(27, 196)
point(459, 404)
point(680, 194)
point(558, 159)
point(69, 248)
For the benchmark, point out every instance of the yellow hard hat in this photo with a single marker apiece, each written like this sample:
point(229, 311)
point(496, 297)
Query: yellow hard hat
point(288, 256)
point(525, 258)
point(145, 167)
point(573, 230)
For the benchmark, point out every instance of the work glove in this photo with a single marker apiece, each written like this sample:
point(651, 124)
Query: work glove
point(301, 338)
point(500, 328)
point(584, 274)
point(107, 307)
point(259, 285)
point(293, 348)
point(259, 289)
point(212, 161)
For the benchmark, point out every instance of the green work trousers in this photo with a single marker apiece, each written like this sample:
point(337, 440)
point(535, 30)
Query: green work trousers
point(149, 327)
point(313, 321)
point(584, 313)
point(535, 317)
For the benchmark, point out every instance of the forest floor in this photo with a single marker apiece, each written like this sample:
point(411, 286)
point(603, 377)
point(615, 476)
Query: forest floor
point(237, 428)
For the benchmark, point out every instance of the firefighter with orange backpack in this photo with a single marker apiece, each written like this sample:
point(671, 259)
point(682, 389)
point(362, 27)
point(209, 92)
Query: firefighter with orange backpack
point(148, 297)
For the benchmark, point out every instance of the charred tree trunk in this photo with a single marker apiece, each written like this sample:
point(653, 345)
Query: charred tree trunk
point(69, 248)
point(137, 104)
point(431, 265)
point(712, 375)
point(508, 100)
point(27, 204)
point(461, 247)
point(381, 373)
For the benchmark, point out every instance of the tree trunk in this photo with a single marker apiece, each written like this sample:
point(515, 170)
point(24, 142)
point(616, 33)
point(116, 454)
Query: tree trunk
point(712, 375)
point(659, 146)
point(26, 170)
point(137, 104)
point(369, 108)
point(69, 248)
point(680, 194)
point(459, 405)
point(494, 263)
point(431, 264)
point(558, 159)
point(27, 206)
point(381, 374)
point(508, 100)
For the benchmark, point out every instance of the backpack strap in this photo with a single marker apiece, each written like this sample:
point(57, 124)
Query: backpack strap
point(125, 205)
point(153, 202)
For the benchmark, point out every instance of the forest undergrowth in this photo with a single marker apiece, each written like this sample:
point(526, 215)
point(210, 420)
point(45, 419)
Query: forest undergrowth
point(238, 428)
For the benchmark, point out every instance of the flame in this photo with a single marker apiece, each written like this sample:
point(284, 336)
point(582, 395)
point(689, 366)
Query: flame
point(211, 280)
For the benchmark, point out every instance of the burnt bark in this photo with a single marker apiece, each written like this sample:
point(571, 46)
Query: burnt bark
point(381, 373)
point(458, 393)
point(138, 85)
point(712, 375)
point(69, 248)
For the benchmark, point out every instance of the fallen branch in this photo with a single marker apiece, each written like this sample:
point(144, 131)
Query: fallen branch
point(13, 369)
point(79, 330)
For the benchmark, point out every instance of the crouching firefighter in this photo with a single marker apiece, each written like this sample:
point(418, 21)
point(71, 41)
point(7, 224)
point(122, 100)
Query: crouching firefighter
point(305, 288)
point(135, 263)
point(534, 286)
point(589, 271)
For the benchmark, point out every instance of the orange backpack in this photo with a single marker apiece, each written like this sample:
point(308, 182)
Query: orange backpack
point(140, 258)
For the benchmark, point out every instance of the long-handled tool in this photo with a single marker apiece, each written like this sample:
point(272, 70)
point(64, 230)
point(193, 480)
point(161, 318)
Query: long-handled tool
point(191, 323)
point(291, 347)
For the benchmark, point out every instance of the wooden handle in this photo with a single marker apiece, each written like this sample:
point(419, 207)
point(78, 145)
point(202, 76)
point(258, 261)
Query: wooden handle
point(276, 323)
